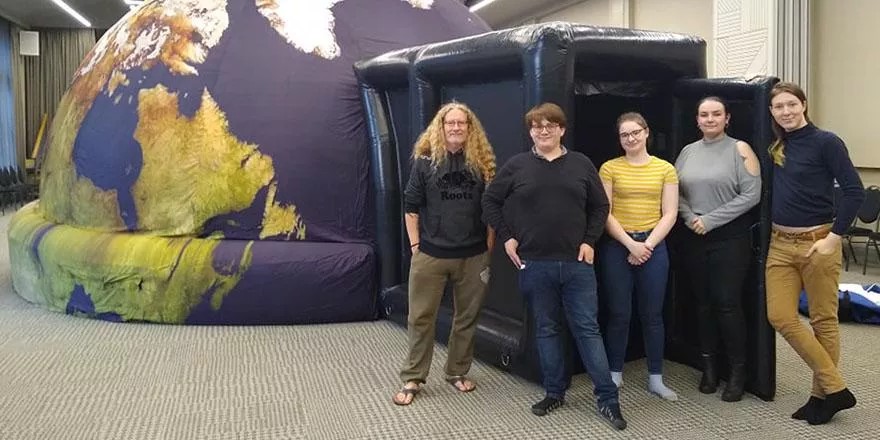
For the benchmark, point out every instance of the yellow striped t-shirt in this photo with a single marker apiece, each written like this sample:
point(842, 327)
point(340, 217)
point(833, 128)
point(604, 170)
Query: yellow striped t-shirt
point(637, 191)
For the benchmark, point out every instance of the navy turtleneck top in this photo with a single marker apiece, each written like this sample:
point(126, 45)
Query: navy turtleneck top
point(803, 188)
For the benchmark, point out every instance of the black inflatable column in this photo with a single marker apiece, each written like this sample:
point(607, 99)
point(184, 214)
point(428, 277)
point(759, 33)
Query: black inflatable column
point(548, 73)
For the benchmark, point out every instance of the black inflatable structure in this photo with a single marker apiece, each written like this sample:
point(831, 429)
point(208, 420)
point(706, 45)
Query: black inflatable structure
point(595, 74)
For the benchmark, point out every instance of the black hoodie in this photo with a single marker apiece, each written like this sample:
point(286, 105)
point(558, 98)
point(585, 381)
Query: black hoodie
point(447, 199)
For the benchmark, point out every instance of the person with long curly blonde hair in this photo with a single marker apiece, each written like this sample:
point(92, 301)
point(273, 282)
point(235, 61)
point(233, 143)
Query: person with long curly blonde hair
point(452, 164)
point(479, 157)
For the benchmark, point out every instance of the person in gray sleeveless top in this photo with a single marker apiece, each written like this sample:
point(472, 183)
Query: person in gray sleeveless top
point(719, 184)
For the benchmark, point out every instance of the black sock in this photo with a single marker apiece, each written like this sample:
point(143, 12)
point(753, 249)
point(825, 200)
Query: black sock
point(833, 403)
point(804, 412)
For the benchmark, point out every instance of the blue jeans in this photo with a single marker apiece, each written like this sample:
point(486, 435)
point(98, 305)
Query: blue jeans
point(555, 287)
point(619, 280)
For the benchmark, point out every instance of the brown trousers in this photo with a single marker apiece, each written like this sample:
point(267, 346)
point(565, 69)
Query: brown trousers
point(789, 271)
point(427, 280)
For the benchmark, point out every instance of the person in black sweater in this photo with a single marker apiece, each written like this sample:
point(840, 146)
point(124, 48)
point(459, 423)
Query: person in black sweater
point(452, 162)
point(556, 209)
point(805, 245)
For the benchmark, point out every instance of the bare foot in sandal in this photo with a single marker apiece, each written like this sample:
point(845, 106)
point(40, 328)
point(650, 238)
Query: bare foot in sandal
point(407, 394)
point(461, 383)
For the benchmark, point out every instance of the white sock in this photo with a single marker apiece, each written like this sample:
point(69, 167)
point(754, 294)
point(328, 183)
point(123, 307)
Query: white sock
point(617, 377)
point(656, 386)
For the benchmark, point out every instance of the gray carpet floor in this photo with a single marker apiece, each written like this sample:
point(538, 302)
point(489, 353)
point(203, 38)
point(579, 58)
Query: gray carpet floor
point(63, 377)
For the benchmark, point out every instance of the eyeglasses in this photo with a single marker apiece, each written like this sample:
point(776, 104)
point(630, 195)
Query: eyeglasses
point(631, 134)
point(455, 123)
point(549, 127)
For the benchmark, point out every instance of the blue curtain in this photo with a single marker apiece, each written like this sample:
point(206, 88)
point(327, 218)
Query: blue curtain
point(7, 101)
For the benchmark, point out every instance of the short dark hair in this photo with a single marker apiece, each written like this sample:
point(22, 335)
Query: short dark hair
point(549, 111)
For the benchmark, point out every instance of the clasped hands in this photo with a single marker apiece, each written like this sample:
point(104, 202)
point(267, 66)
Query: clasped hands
point(639, 252)
point(697, 226)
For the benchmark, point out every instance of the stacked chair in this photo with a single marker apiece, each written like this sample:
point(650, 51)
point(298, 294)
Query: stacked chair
point(14, 190)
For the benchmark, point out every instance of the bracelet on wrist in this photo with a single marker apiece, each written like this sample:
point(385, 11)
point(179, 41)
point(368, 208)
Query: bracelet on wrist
point(413, 245)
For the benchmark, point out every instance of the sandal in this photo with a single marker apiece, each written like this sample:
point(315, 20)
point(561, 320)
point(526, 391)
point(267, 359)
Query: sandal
point(455, 381)
point(406, 392)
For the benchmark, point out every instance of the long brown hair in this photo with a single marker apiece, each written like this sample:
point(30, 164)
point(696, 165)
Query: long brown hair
point(478, 154)
point(777, 148)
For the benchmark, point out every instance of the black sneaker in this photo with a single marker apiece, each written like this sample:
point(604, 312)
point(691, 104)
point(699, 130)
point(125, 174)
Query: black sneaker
point(545, 406)
point(611, 414)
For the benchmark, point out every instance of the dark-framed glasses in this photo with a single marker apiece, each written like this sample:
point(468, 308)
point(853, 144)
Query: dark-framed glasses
point(550, 127)
point(631, 134)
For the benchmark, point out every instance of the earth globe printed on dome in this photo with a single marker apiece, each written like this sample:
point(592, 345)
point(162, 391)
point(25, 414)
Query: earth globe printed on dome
point(209, 163)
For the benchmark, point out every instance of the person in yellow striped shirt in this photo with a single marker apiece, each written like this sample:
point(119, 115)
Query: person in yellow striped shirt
point(643, 191)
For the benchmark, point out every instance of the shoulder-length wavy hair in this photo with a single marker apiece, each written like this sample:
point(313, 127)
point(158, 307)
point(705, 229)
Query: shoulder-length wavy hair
point(479, 157)
point(777, 148)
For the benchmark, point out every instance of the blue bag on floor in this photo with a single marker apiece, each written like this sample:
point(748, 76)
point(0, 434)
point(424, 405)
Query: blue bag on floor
point(856, 303)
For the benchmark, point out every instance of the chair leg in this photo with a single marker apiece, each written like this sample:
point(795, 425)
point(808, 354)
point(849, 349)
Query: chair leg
point(876, 249)
point(852, 250)
point(865, 263)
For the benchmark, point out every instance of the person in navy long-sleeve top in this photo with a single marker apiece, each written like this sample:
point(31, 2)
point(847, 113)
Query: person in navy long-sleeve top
point(805, 247)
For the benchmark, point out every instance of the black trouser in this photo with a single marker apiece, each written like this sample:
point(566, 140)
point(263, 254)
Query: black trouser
point(717, 269)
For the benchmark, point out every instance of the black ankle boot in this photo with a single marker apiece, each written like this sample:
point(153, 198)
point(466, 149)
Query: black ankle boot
point(833, 403)
point(709, 381)
point(736, 383)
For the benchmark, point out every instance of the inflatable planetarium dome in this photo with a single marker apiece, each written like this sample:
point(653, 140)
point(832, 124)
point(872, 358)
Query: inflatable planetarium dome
point(209, 164)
